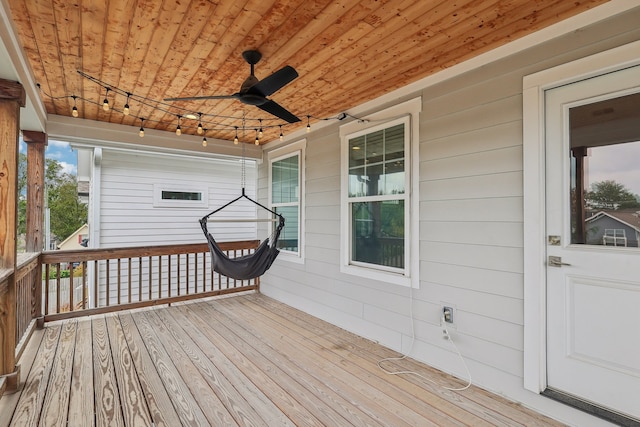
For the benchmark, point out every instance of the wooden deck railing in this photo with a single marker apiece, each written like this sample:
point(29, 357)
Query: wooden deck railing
point(92, 281)
point(28, 303)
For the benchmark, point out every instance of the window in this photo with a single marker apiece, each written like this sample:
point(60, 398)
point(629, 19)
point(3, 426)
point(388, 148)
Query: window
point(376, 197)
point(168, 196)
point(286, 193)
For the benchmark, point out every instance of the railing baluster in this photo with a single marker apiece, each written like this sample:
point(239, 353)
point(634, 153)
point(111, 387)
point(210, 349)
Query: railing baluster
point(159, 276)
point(178, 265)
point(70, 286)
point(84, 285)
point(107, 287)
point(169, 276)
point(150, 278)
point(96, 297)
point(195, 276)
point(58, 286)
point(119, 281)
point(46, 288)
point(188, 273)
point(139, 278)
point(129, 289)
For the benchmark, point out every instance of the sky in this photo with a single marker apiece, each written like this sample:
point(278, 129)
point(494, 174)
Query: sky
point(60, 151)
point(619, 162)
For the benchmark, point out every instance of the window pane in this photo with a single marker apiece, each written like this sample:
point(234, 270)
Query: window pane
point(378, 233)
point(181, 195)
point(284, 177)
point(376, 163)
point(289, 235)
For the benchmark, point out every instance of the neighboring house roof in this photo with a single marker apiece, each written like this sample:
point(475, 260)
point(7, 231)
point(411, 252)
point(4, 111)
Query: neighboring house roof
point(73, 238)
point(630, 219)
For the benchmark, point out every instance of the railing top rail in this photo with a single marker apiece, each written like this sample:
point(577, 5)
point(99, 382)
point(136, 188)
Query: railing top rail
point(80, 255)
point(5, 273)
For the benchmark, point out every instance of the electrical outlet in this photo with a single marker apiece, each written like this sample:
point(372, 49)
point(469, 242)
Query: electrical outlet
point(447, 313)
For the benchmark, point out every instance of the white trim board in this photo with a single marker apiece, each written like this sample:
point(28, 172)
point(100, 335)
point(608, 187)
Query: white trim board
point(534, 86)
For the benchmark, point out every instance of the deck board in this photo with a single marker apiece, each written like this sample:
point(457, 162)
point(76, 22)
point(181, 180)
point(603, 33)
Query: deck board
point(107, 398)
point(240, 360)
point(81, 407)
point(55, 405)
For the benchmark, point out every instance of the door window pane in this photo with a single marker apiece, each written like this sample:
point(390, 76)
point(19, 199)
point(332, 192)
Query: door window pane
point(605, 172)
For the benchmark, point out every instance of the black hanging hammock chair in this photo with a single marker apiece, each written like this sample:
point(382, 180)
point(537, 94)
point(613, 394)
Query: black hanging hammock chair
point(247, 266)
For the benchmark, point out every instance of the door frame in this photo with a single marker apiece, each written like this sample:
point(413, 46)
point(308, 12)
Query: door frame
point(534, 200)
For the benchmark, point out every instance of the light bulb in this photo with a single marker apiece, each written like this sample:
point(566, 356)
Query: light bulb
point(257, 141)
point(74, 111)
point(308, 128)
point(200, 129)
point(105, 104)
point(235, 140)
point(260, 133)
point(204, 142)
point(178, 131)
point(141, 132)
point(281, 137)
point(125, 110)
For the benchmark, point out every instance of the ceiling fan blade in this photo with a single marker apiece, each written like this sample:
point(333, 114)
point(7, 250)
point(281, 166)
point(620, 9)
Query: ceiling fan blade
point(275, 81)
point(197, 98)
point(274, 108)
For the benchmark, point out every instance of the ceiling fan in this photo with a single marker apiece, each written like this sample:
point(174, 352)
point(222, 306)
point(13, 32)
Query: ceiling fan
point(255, 92)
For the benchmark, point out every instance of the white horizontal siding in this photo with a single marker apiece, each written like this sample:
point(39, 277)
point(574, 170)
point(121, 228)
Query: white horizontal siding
point(128, 216)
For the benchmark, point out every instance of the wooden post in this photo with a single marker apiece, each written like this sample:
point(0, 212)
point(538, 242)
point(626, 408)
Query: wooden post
point(12, 97)
point(580, 232)
point(36, 143)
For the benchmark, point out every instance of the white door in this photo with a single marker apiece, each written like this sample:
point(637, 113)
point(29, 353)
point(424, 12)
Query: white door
point(593, 284)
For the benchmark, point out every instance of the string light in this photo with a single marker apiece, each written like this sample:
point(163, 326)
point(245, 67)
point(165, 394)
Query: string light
point(125, 110)
point(105, 103)
point(178, 130)
point(204, 138)
point(74, 110)
point(180, 113)
point(200, 128)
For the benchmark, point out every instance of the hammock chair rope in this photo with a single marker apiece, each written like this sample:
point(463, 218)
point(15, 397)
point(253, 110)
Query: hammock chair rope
point(247, 266)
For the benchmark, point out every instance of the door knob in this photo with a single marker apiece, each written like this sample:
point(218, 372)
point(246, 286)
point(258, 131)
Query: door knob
point(556, 261)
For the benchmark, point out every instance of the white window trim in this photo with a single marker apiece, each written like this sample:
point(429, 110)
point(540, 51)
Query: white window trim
point(386, 117)
point(299, 148)
point(534, 87)
point(159, 202)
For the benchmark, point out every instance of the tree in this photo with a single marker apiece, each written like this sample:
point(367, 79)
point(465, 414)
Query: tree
point(22, 193)
point(67, 213)
point(611, 195)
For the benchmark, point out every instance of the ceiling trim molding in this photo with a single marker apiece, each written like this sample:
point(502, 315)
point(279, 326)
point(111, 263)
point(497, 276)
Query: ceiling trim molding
point(82, 132)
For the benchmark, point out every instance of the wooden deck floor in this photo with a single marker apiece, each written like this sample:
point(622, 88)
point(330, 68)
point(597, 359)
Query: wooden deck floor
point(240, 360)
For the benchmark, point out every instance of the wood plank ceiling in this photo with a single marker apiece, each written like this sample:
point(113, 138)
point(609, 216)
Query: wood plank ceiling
point(345, 51)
